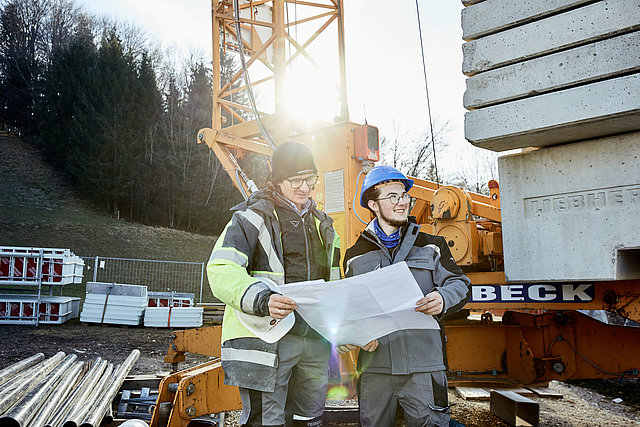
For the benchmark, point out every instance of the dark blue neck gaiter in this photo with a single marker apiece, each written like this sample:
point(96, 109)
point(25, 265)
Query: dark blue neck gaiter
point(388, 241)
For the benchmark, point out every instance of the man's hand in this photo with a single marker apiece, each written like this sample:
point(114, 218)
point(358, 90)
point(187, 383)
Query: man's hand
point(281, 306)
point(346, 348)
point(431, 304)
point(371, 346)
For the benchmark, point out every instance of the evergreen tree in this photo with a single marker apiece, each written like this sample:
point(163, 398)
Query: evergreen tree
point(67, 80)
point(103, 127)
point(21, 60)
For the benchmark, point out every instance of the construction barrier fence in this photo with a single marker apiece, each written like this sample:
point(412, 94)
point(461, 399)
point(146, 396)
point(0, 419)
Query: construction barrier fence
point(158, 276)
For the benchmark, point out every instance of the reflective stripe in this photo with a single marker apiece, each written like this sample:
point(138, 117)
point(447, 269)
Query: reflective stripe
point(278, 278)
point(349, 263)
point(251, 356)
point(230, 254)
point(335, 273)
point(248, 299)
point(264, 238)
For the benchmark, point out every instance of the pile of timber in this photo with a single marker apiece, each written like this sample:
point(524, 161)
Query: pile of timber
point(213, 312)
point(61, 390)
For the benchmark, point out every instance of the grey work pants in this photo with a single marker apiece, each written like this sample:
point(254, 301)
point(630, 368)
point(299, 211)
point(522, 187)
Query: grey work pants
point(302, 376)
point(423, 396)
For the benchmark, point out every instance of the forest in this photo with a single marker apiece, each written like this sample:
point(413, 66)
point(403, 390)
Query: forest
point(114, 113)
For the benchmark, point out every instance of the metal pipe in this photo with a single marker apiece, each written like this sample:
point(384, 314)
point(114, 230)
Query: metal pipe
point(108, 417)
point(56, 399)
point(94, 419)
point(27, 376)
point(20, 366)
point(74, 418)
point(80, 393)
point(23, 384)
point(23, 411)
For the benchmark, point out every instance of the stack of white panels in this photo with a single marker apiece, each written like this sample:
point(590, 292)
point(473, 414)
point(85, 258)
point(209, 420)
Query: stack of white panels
point(21, 309)
point(21, 266)
point(114, 303)
point(173, 317)
point(170, 299)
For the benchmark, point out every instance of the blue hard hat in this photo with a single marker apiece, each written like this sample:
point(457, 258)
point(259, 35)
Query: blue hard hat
point(379, 174)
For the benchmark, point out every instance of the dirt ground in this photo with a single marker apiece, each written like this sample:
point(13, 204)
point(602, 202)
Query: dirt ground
point(88, 341)
point(579, 407)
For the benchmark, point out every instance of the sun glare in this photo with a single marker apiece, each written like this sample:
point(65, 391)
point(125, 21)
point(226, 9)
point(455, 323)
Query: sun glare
point(309, 96)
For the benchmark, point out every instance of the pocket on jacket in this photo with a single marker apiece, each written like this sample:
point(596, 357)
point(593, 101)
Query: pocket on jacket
point(358, 268)
point(421, 263)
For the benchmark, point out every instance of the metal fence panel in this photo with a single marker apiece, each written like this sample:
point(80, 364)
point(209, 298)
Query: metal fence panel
point(158, 276)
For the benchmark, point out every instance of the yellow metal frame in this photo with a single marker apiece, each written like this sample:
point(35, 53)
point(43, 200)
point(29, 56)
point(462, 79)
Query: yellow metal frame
point(229, 141)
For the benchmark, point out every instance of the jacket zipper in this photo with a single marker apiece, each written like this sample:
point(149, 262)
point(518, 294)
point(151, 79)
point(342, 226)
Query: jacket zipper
point(306, 246)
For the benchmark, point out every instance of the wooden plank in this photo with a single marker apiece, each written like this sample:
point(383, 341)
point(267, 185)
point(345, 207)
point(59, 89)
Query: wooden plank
point(546, 392)
point(520, 390)
point(473, 393)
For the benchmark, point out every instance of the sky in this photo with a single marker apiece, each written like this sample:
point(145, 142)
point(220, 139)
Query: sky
point(385, 80)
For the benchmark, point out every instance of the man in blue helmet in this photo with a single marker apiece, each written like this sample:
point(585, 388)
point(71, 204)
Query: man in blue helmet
point(406, 367)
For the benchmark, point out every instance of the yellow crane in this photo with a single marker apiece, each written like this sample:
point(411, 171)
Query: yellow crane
point(524, 347)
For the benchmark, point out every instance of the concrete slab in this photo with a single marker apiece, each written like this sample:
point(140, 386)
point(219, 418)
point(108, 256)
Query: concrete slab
point(570, 213)
point(492, 16)
point(595, 61)
point(584, 25)
point(598, 109)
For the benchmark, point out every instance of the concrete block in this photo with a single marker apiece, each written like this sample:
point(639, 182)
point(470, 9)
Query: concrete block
point(584, 25)
point(595, 110)
point(595, 61)
point(492, 16)
point(570, 213)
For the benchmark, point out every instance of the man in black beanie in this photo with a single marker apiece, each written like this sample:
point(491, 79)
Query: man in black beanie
point(277, 235)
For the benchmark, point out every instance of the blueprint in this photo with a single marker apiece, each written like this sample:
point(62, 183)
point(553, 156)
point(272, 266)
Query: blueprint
point(362, 308)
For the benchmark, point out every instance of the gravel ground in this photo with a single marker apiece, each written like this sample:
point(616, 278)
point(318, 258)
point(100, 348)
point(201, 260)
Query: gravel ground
point(579, 407)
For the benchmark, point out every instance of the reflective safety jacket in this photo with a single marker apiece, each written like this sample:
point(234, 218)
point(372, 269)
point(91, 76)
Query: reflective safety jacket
point(251, 246)
point(429, 260)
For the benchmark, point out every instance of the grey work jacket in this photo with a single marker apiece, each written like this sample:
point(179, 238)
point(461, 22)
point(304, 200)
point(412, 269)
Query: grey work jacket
point(430, 261)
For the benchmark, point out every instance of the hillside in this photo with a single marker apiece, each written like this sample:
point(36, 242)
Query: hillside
point(37, 208)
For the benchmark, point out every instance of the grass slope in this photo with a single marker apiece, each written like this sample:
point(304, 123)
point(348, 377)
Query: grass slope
point(38, 209)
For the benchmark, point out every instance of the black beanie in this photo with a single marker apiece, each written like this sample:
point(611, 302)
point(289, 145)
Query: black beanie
point(290, 159)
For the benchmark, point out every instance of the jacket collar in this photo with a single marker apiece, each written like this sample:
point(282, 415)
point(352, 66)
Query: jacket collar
point(408, 235)
point(264, 202)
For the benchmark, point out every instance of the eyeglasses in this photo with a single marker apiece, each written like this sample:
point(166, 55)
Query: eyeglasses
point(395, 199)
point(297, 182)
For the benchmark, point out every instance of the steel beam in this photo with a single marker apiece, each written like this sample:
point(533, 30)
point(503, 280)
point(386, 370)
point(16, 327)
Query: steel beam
point(516, 410)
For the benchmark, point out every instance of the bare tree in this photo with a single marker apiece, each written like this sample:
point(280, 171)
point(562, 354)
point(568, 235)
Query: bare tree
point(412, 151)
point(475, 174)
point(60, 25)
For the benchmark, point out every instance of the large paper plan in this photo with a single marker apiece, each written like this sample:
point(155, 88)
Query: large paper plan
point(362, 308)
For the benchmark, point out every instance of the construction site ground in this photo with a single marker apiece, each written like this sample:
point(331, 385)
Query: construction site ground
point(579, 406)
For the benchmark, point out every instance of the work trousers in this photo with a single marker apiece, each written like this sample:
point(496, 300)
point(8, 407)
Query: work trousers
point(422, 396)
point(301, 382)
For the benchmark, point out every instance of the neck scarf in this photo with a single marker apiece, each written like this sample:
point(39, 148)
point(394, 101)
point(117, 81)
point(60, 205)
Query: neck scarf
point(388, 241)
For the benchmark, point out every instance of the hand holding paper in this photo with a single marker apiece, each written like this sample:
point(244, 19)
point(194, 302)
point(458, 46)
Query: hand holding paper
point(360, 309)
